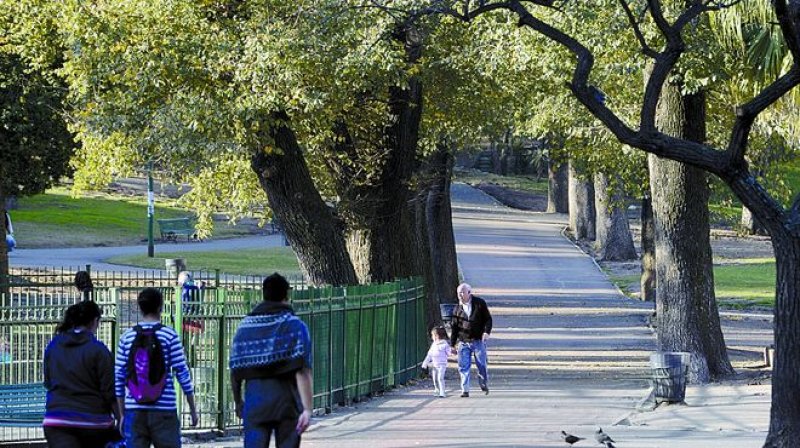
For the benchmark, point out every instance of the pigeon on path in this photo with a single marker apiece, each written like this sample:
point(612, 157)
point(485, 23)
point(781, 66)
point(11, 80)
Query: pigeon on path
point(570, 439)
point(603, 438)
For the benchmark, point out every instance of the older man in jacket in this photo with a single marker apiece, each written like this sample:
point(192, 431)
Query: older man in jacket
point(471, 327)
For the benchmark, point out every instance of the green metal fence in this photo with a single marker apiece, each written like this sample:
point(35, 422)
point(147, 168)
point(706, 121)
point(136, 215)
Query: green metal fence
point(366, 339)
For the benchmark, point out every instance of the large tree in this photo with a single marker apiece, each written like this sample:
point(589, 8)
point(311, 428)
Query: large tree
point(666, 47)
point(34, 140)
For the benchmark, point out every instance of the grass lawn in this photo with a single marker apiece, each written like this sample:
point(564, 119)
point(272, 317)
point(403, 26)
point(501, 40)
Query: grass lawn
point(55, 219)
point(242, 262)
point(751, 282)
point(522, 183)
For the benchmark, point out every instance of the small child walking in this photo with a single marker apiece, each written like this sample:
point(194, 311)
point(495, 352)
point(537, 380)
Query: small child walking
point(436, 360)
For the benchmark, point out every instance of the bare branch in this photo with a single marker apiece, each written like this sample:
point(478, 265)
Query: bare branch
point(789, 20)
point(794, 214)
point(637, 31)
point(689, 15)
point(658, 16)
point(747, 113)
point(648, 140)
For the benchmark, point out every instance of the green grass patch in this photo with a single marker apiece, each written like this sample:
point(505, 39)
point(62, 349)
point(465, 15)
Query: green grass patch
point(241, 262)
point(55, 219)
point(625, 283)
point(522, 183)
point(752, 281)
point(747, 283)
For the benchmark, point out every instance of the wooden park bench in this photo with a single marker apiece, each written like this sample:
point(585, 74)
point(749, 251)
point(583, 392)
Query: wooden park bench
point(22, 404)
point(171, 228)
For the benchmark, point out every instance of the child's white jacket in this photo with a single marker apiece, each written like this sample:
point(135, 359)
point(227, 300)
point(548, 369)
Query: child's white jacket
point(437, 355)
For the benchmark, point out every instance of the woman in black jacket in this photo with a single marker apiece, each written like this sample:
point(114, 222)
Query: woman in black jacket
point(79, 376)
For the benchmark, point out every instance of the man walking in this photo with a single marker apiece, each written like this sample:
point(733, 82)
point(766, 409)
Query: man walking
point(471, 327)
point(271, 352)
point(149, 356)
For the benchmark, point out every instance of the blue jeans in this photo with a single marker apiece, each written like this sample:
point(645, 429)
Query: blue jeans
point(257, 435)
point(159, 428)
point(466, 351)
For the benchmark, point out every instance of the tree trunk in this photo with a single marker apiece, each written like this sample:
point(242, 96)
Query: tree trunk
point(648, 281)
point(422, 256)
point(581, 206)
point(309, 224)
point(557, 188)
point(614, 240)
point(784, 424)
point(440, 229)
point(750, 225)
point(686, 309)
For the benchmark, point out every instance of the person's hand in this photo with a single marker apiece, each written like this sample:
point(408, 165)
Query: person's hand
point(303, 422)
point(239, 406)
point(193, 415)
point(485, 337)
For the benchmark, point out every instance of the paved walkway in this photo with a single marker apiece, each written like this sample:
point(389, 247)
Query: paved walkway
point(568, 352)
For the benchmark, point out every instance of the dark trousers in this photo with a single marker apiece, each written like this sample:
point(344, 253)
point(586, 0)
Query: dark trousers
point(58, 437)
point(159, 428)
point(257, 435)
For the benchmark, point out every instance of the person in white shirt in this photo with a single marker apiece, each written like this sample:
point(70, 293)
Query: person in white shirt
point(436, 360)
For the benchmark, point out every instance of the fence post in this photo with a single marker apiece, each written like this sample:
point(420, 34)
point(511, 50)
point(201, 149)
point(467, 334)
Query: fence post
point(221, 360)
point(329, 408)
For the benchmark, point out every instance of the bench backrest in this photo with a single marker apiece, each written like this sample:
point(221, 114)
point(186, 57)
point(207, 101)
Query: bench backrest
point(175, 224)
point(22, 403)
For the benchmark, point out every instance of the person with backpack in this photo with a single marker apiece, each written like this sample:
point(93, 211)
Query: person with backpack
point(271, 352)
point(80, 410)
point(148, 356)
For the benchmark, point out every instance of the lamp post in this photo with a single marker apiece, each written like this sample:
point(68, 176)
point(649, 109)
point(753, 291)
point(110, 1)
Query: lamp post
point(150, 210)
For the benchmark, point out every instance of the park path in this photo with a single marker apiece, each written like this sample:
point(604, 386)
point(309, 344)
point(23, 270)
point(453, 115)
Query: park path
point(568, 351)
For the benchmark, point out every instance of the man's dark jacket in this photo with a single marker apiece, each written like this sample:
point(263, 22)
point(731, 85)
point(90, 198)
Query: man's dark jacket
point(470, 328)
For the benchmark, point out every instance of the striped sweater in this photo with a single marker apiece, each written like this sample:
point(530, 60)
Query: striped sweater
point(176, 367)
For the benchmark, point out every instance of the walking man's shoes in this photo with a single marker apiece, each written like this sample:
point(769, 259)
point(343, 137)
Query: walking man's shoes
point(464, 394)
point(485, 389)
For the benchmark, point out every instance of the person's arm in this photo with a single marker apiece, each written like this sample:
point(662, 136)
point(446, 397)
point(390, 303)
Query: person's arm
point(305, 385)
point(106, 374)
point(487, 327)
point(181, 370)
point(236, 387)
point(455, 327)
point(46, 363)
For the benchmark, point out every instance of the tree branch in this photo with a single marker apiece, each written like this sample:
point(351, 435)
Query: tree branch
point(637, 31)
point(658, 16)
point(649, 140)
point(789, 20)
point(747, 114)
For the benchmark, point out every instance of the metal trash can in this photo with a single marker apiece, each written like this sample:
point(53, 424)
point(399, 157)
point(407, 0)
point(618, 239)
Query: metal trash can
point(175, 265)
point(669, 370)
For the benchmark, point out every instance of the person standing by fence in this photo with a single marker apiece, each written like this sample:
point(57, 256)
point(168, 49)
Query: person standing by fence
point(148, 356)
point(79, 377)
point(472, 324)
point(84, 285)
point(272, 354)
